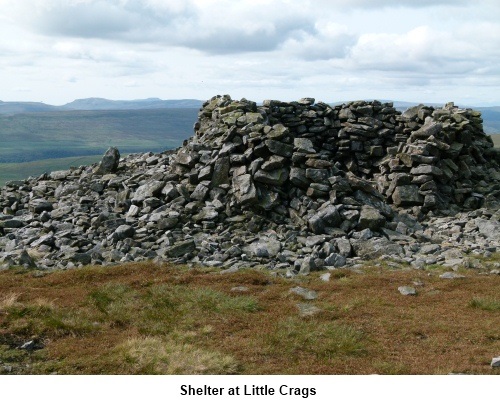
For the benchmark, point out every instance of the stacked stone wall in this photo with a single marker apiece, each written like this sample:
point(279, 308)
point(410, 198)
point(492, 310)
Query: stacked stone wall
point(292, 186)
point(280, 153)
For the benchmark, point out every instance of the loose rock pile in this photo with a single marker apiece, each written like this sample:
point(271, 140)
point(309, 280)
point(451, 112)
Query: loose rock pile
point(291, 186)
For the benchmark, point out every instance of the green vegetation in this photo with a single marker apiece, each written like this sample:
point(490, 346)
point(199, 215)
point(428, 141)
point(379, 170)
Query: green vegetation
point(146, 318)
point(485, 304)
point(35, 143)
point(20, 171)
point(49, 135)
point(152, 355)
point(325, 341)
point(42, 317)
point(491, 119)
point(496, 140)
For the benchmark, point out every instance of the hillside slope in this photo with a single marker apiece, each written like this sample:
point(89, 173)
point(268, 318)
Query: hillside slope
point(49, 135)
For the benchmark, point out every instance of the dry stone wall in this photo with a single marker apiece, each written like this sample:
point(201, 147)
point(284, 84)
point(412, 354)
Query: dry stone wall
point(292, 186)
point(425, 158)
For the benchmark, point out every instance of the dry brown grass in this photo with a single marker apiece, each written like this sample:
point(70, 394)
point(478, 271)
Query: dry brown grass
point(147, 318)
point(152, 355)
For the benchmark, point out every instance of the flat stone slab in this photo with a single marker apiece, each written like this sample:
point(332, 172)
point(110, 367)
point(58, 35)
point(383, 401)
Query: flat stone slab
point(264, 247)
point(495, 362)
point(304, 293)
point(451, 275)
point(239, 289)
point(306, 309)
point(406, 290)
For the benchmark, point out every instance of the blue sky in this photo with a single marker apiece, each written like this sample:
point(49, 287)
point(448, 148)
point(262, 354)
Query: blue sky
point(56, 51)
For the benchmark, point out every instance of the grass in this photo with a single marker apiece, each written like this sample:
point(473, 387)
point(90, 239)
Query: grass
point(34, 143)
point(152, 355)
point(485, 304)
point(20, 171)
point(496, 140)
point(50, 135)
point(324, 342)
point(146, 318)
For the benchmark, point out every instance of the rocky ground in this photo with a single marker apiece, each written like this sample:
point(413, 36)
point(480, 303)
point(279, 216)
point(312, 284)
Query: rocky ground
point(292, 187)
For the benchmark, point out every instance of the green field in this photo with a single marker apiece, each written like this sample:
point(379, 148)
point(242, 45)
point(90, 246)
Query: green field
point(491, 119)
point(50, 135)
point(19, 171)
point(496, 140)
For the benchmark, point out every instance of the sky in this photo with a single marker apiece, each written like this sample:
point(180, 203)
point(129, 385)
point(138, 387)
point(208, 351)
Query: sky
point(55, 51)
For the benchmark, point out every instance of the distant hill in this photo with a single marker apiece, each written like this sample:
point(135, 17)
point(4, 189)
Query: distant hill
point(491, 119)
point(93, 104)
point(14, 107)
point(491, 115)
point(146, 104)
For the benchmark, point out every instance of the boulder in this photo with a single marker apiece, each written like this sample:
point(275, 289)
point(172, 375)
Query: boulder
point(180, 249)
point(264, 247)
point(407, 196)
point(122, 232)
point(371, 218)
point(109, 162)
point(328, 216)
point(149, 189)
point(375, 247)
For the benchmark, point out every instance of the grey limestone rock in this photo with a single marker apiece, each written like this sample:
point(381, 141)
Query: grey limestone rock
point(12, 223)
point(221, 172)
point(375, 247)
point(180, 249)
point(274, 178)
point(406, 290)
point(109, 162)
point(26, 260)
point(151, 188)
point(278, 185)
point(304, 293)
point(451, 275)
point(122, 232)
point(335, 260)
point(407, 196)
point(328, 216)
point(244, 189)
point(264, 247)
point(371, 218)
point(304, 145)
point(489, 229)
point(40, 205)
point(307, 265)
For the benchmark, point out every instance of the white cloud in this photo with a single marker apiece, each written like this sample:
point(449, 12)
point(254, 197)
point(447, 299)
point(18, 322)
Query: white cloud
point(328, 41)
point(210, 26)
point(396, 3)
point(425, 50)
point(71, 49)
point(331, 50)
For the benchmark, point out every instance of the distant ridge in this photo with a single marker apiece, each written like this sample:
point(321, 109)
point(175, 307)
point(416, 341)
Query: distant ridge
point(145, 104)
point(16, 107)
point(491, 115)
point(92, 104)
